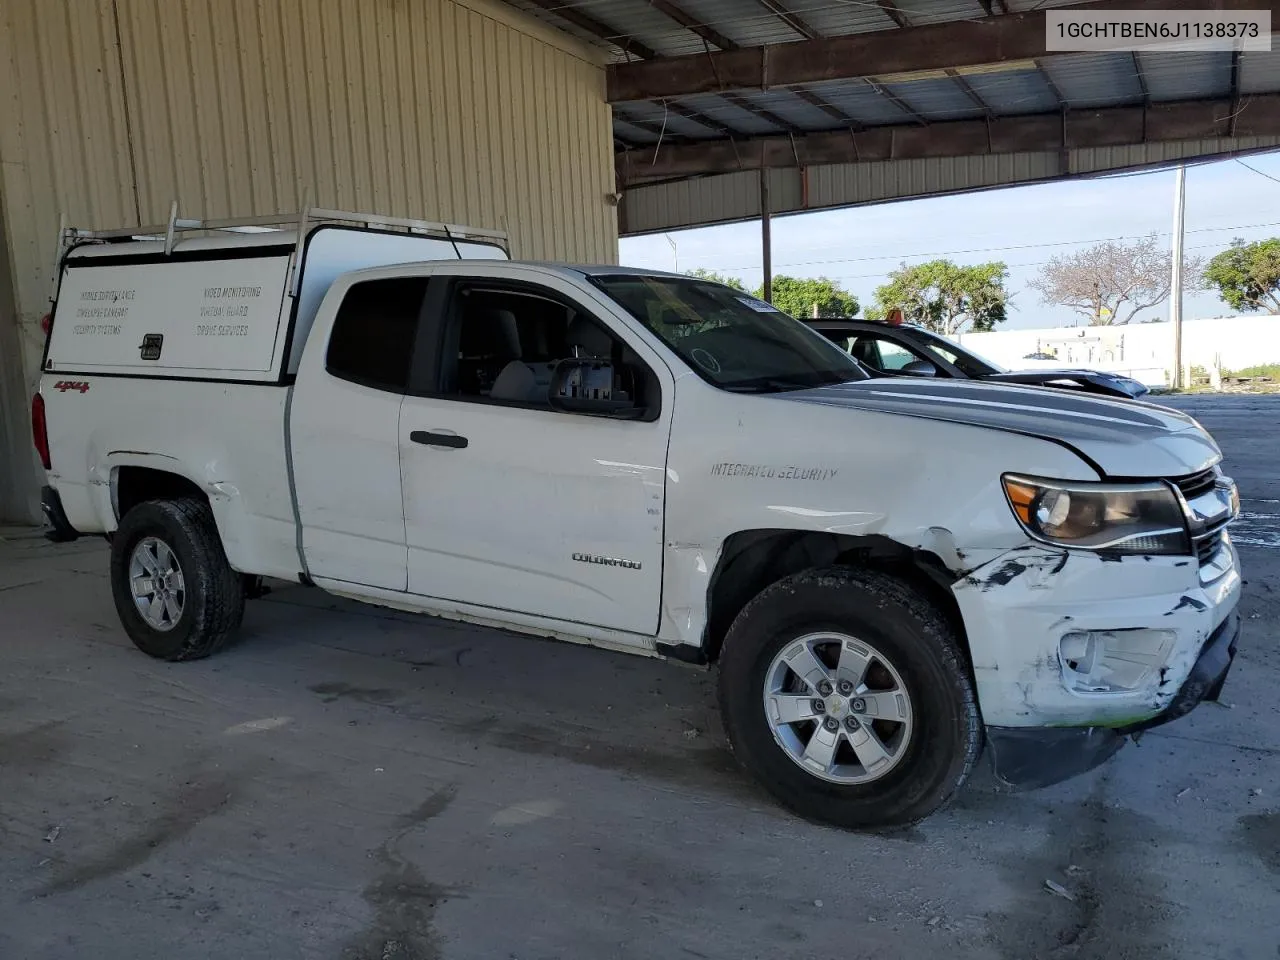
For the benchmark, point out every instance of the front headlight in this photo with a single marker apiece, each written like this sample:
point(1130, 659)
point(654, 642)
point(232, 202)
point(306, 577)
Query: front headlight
point(1113, 517)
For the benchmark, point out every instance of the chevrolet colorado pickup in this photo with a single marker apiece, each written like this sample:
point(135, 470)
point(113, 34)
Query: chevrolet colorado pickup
point(891, 575)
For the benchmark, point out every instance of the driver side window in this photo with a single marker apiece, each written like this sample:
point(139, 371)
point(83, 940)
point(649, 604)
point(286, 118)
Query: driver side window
point(894, 356)
point(881, 353)
point(502, 345)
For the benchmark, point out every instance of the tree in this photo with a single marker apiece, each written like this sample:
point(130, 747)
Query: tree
point(1247, 275)
point(704, 274)
point(946, 297)
point(1111, 282)
point(798, 297)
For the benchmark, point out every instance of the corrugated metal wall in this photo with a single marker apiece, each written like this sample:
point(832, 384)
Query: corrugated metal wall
point(736, 196)
point(460, 110)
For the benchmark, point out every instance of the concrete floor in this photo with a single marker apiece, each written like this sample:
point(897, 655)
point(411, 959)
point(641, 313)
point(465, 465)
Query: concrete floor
point(351, 783)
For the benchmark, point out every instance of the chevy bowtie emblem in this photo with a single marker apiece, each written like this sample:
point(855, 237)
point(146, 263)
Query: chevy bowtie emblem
point(607, 561)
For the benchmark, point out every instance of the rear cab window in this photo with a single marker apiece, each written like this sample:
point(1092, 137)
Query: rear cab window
point(374, 333)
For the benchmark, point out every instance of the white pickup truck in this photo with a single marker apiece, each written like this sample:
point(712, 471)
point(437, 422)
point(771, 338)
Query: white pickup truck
point(889, 574)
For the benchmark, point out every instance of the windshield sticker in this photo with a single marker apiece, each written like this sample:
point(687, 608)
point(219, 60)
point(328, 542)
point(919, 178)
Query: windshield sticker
point(759, 306)
point(765, 471)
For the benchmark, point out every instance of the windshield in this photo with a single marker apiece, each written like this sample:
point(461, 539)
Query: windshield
point(969, 363)
point(730, 338)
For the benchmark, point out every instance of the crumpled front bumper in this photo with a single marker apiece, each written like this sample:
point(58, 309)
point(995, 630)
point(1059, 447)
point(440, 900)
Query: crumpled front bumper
point(1029, 757)
point(1168, 626)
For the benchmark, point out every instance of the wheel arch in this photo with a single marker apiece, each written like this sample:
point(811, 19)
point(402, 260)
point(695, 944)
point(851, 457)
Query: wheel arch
point(752, 560)
point(137, 477)
point(133, 483)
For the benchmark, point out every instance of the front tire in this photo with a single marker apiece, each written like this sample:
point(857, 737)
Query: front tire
point(845, 694)
point(176, 595)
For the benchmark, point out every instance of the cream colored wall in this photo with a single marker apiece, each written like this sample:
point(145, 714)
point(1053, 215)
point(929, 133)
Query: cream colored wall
point(459, 110)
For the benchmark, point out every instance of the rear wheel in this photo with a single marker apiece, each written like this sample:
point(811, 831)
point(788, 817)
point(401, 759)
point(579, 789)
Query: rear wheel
point(176, 595)
point(844, 693)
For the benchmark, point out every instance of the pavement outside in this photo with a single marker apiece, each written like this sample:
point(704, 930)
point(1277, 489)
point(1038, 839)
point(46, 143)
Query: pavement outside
point(348, 783)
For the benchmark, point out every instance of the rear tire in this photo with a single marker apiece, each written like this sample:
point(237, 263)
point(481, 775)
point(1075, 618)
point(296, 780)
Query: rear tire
point(176, 595)
point(897, 757)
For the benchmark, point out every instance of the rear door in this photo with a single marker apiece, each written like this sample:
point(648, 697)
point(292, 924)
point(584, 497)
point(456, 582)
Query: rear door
point(512, 505)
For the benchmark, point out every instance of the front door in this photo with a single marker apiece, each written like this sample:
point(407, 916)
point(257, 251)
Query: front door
point(512, 505)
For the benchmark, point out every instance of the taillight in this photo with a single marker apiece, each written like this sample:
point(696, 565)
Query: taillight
point(40, 430)
point(46, 323)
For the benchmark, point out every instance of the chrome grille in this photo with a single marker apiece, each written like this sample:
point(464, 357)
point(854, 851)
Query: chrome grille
point(1207, 546)
point(1208, 496)
point(1197, 484)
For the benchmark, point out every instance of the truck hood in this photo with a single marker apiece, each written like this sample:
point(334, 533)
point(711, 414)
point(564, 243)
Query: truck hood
point(1120, 438)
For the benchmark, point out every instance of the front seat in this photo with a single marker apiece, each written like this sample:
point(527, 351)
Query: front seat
point(517, 382)
point(866, 353)
point(489, 338)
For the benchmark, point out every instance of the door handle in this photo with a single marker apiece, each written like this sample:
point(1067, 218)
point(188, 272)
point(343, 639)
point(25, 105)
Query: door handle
point(438, 439)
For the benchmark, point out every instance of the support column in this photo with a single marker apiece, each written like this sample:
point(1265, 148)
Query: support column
point(1175, 286)
point(766, 241)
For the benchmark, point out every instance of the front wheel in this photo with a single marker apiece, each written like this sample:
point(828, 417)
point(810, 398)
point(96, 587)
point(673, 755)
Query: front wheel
point(176, 595)
point(845, 694)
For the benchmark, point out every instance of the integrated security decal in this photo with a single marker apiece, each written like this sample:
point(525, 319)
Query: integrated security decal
point(764, 471)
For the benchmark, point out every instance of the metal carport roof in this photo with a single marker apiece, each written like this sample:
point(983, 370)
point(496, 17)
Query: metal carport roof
point(712, 88)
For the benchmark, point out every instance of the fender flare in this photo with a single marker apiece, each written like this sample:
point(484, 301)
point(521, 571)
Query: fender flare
point(223, 496)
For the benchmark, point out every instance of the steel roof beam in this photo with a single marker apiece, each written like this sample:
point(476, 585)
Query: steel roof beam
point(701, 118)
point(1063, 104)
point(692, 23)
point(1051, 132)
point(1142, 78)
point(626, 44)
point(808, 96)
point(1235, 93)
point(967, 89)
point(596, 28)
point(689, 22)
point(792, 20)
point(742, 103)
point(936, 46)
point(893, 13)
point(896, 100)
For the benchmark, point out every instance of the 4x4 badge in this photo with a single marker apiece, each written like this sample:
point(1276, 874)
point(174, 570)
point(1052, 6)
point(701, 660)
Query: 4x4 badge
point(62, 386)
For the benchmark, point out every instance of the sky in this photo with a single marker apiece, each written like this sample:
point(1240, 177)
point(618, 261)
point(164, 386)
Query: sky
point(1023, 226)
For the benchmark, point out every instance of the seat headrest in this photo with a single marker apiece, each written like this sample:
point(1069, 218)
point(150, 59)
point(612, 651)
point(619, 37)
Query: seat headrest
point(589, 337)
point(493, 328)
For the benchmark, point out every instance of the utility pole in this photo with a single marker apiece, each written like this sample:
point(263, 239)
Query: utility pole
point(1175, 286)
point(675, 254)
point(766, 242)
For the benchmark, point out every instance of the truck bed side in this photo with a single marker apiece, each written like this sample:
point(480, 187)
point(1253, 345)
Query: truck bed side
point(115, 438)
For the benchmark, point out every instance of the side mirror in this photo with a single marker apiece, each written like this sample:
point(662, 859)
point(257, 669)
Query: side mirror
point(583, 385)
point(919, 368)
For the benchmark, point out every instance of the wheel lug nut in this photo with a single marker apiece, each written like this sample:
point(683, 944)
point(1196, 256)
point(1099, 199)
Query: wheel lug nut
point(825, 688)
point(818, 706)
point(859, 705)
point(846, 687)
point(851, 723)
point(831, 723)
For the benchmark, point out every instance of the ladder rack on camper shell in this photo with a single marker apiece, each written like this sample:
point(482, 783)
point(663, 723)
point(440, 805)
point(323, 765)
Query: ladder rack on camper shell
point(162, 276)
point(302, 222)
